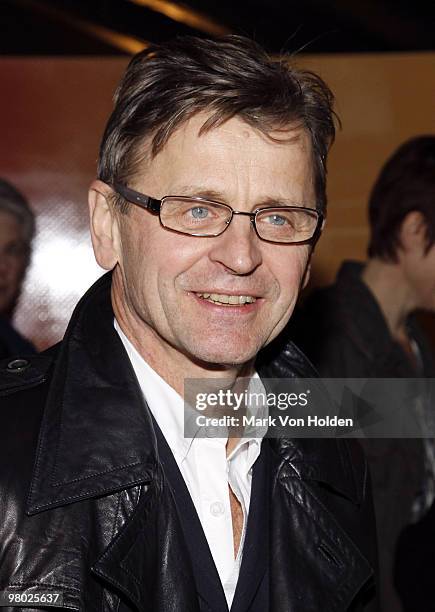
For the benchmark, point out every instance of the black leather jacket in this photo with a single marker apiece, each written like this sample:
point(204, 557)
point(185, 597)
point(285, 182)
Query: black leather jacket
point(84, 509)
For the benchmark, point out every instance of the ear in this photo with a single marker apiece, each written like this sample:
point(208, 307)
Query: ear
point(412, 232)
point(104, 225)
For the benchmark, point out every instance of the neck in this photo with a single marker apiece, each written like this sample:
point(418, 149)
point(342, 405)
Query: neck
point(386, 281)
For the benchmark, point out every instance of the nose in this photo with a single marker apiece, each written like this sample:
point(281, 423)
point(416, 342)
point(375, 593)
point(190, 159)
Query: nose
point(238, 249)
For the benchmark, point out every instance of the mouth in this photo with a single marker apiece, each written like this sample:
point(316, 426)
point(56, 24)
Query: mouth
point(224, 299)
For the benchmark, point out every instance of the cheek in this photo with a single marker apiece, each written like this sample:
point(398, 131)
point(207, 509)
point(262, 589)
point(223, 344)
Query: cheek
point(169, 259)
point(142, 249)
point(289, 272)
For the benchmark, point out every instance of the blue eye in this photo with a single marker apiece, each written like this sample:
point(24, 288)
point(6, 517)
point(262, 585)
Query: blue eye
point(277, 220)
point(199, 212)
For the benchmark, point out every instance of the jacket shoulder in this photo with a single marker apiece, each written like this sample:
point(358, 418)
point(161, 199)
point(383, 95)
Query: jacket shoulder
point(24, 372)
point(23, 392)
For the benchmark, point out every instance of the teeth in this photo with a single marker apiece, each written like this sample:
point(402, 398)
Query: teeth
point(222, 298)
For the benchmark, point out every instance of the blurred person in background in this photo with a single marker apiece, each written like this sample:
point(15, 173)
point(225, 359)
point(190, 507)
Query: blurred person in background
point(17, 227)
point(363, 326)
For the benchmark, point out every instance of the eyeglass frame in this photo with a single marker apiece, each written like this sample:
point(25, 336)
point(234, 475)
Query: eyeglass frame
point(154, 206)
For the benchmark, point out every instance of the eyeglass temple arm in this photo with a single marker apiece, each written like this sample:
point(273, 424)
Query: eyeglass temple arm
point(137, 198)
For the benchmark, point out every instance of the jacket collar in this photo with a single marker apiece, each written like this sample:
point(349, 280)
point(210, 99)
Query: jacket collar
point(94, 416)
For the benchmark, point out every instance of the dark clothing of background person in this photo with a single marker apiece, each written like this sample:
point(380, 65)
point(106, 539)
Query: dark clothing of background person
point(12, 343)
point(342, 330)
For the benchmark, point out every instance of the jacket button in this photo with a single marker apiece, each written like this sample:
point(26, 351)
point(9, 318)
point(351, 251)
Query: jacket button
point(18, 365)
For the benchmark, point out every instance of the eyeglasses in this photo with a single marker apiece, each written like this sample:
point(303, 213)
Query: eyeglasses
point(197, 216)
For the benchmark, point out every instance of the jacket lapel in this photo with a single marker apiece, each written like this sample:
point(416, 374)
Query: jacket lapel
point(316, 502)
point(148, 560)
point(315, 565)
point(94, 417)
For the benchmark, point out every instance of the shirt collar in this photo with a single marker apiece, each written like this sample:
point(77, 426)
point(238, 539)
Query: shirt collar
point(167, 407)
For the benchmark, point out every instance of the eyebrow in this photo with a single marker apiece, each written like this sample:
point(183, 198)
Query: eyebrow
point(199, 191)
point(211, 194)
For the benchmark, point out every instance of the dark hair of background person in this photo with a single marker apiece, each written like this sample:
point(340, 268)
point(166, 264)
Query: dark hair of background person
point(406, 183)
point(166, 84)
point(14, 203)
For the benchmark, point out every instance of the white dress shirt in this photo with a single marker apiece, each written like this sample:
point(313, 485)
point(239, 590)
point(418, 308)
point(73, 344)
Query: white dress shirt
point(206, 469)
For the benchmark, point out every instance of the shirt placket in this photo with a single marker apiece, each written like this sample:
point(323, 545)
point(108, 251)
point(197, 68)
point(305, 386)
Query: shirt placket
point(212, 473)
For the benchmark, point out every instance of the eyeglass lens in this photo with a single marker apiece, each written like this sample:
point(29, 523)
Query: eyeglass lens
point(203, 218)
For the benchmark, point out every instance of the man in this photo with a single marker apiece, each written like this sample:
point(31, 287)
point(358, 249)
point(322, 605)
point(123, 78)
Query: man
point(363, 327)
point(17, 227)
point(210, 196)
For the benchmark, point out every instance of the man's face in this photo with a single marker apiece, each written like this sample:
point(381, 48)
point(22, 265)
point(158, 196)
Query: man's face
point(165, 275)
point(13, 260)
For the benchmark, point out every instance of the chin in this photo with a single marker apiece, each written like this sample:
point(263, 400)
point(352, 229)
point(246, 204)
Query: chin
point(223, 358)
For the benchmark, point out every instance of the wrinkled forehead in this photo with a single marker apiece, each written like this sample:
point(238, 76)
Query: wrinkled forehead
point(201, 124)
point(231, 151)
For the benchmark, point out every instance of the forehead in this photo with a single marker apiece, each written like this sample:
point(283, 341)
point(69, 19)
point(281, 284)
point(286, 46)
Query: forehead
point(231, 156)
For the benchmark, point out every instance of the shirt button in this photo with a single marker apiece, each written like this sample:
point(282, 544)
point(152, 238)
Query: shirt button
point(217, 508)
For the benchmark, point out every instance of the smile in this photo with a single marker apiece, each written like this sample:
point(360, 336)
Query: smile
point(227, 300)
